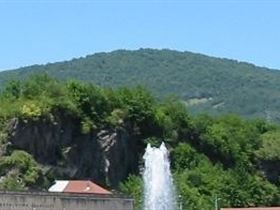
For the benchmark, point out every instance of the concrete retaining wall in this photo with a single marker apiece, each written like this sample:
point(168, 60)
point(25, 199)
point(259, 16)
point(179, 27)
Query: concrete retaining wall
point(62, 201)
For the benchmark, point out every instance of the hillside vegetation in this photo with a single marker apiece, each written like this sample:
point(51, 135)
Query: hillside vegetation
point(234, 158)
point(204, 83)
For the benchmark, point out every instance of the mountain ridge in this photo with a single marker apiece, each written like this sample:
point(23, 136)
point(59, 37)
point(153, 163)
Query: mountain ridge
point(133, 50)
point(233, 86)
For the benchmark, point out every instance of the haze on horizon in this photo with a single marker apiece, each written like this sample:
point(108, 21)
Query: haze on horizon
point(38, 32)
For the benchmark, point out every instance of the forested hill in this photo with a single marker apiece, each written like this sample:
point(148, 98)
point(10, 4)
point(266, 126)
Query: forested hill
point(52, 130)
point(205, 83)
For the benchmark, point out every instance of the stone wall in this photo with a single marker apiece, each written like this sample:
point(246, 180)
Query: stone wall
point(62, 201)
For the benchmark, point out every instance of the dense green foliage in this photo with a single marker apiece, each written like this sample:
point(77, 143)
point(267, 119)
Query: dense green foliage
point(223, 156)
point(204, 83)
point(21, 171)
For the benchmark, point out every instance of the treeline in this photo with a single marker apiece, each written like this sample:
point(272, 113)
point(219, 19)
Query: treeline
point(218, 85)
point(233, 158)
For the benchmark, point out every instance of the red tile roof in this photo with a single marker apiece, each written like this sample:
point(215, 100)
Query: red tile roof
point(79, 186)
point(253, 208)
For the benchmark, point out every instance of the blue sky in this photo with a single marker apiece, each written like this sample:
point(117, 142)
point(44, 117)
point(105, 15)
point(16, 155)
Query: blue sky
point(41, 31)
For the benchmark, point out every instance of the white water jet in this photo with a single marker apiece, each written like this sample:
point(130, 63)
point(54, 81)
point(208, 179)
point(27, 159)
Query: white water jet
point(159, 191)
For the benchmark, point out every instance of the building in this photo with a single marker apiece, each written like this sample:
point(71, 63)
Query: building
point(253, 208)
point(78, 186)
point(66, 195)
point(63, 201)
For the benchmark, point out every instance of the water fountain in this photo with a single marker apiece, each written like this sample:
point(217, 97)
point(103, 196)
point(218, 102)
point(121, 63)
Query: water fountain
point(159, 191)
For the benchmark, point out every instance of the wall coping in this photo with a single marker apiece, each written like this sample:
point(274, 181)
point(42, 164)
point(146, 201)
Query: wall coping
point(90, 196)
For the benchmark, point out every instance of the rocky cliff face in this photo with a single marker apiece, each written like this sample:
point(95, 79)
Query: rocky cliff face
point(271, 169)
point(105, 156)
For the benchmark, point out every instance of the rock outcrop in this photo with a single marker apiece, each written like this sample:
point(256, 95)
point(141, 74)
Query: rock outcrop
point(106, 156)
